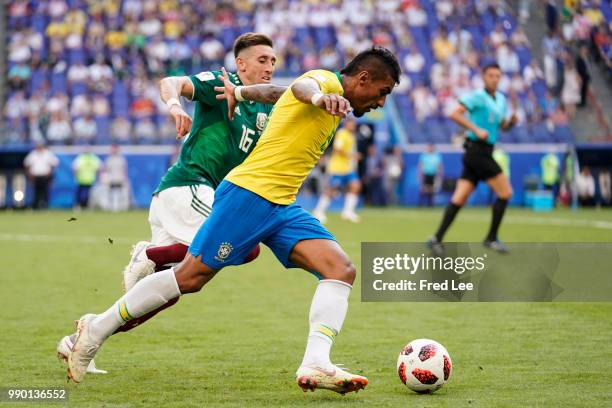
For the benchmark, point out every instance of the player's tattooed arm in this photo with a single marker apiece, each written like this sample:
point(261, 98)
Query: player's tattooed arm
point(307, 90)
point(262, 93)
point(170, 90)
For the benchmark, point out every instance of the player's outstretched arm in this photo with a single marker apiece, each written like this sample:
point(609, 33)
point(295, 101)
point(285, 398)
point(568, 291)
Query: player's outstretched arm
point(170, 89)
point(307, 90)
point(458, 116)
point(262, 93)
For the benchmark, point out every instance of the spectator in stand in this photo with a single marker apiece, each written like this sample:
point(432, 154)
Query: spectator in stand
point(584, 71)
point(16, 106)
point(212, 51)
point(552, 15)
point(19, 11)
point(498, 36)
point(393, 165)
point(550, 166)
point(443, 48)
point(507, 59)
point(80, 105)
point(585, 186)
point(417, 17)
point(19, 49)
point(121, 130)
point(78, 73)
point(116, 169)
point(375, 192)
point(85, 129)
point(85, 167)
point(551, 47)
point(570, 94)
point(430, 170)
point(581, 26)
point(461, 40)
point(40, 164)
point(414, 62)
point(605, 187)
point(100, 106)
point(145, 131)
point(329, 58)
point(18, 75)
point(425, 103)
point(59, 130)
point(519, 38)
point(100, 75)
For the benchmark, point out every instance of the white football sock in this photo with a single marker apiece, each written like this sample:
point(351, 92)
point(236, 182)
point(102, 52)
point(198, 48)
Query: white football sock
point(148, 294)
point(322, 204)
point(327, 313)
point(350, 203)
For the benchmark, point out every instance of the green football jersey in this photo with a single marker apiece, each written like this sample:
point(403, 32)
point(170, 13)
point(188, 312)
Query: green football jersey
point(215, 144)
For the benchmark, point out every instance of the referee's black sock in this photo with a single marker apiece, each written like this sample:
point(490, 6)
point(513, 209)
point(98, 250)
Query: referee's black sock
point(499, 207)
point(449, 215)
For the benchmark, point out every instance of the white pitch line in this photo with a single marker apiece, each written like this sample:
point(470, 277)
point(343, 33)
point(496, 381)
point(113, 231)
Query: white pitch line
point(93, 239)
point(562, 222)
point(81, 239)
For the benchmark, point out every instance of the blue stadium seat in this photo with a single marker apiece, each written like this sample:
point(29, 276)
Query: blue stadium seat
point(540, 133)
point(58, 82)
point(77, 55)
point(37, 79)
point(563, 134)
point(103, 135)
point(521, 135)
point(120, 100)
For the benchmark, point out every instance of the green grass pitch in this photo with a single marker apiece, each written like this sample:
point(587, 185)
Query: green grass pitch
point(239, 341)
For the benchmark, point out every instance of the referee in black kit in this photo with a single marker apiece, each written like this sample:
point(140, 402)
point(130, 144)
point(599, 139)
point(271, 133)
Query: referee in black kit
point(487, 110)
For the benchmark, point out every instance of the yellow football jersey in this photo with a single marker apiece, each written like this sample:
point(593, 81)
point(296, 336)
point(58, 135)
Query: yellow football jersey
point(294, 139)
point(342, 159)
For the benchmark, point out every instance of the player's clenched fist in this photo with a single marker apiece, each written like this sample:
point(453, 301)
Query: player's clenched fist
point(182, 121)
point(334, 104)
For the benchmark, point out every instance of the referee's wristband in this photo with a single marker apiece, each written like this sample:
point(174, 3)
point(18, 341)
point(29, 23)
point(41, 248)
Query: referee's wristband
point(171, 102)
point(316, 98)
point(238, 93)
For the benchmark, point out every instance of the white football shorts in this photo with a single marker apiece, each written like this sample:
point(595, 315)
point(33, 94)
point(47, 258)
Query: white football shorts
point(176, 213)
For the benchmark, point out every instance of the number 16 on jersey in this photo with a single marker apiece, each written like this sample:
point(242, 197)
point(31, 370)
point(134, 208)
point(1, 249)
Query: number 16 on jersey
point(246, 140)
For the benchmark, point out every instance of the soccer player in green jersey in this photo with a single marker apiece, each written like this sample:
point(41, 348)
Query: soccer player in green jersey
point(217, 141)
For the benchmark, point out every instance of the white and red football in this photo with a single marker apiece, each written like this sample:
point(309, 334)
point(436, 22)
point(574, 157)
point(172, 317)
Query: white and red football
point(424, 366)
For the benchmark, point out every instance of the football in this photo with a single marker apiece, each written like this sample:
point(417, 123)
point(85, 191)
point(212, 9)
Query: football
point(424, 366)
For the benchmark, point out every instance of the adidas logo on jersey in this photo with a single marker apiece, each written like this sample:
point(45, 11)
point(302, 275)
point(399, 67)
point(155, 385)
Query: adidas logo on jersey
point(237, 111)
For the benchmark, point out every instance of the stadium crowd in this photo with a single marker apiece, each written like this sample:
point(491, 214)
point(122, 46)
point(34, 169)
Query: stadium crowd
point(84, 71)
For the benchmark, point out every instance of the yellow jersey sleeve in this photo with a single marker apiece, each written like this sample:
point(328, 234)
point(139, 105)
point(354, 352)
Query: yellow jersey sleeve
point(294, 139)
point(342, 160)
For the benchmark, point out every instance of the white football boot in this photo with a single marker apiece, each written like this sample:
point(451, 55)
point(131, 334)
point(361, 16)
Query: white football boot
point(350, 216)
point(83, 351)
point(64, 347)
point(139, 267)
point(329, 377)
point(320, 215)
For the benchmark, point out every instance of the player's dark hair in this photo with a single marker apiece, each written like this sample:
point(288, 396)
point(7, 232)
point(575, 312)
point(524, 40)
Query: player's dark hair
point(378, 61)
point(247, 40)
point(492, 65)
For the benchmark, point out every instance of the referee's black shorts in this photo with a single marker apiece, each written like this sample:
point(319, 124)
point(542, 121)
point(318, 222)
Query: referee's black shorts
point(429, 180)
point(478, 162)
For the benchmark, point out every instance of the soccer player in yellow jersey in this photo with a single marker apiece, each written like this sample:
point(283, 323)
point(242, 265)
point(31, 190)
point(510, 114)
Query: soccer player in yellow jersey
point(342, 172)
point(256, 203)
